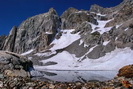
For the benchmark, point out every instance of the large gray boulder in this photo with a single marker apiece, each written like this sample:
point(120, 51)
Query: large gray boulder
point(14, 62)
point(37, 32)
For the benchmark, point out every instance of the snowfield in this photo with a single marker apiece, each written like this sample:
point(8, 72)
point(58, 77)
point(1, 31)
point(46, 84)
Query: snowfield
point(66, 61)
point(111, 61)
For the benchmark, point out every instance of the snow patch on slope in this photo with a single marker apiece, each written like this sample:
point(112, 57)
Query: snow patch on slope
point(28, 52)
point(105, 43)
point(65, 40)
point(101, 26)
point(46, 54)
point(111, 61)
point(101, 14)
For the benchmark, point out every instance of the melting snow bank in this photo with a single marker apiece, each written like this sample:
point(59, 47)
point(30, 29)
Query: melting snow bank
point(111, 61)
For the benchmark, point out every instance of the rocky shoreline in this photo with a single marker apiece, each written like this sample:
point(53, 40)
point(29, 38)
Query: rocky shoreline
point(27, 83)
point(7, 82)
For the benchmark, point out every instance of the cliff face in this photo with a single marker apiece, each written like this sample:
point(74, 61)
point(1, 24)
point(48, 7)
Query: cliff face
point(2, 41)
point(37, 32)
point(10, 40)
point(96, 27)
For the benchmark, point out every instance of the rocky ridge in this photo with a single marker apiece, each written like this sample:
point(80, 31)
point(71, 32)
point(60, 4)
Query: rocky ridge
point(39, 31)
point(26, 83)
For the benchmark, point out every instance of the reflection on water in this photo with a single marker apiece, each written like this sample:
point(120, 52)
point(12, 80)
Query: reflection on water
point(73, 76)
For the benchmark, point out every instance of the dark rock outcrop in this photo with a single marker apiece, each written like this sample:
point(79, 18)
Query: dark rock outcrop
point(78, 50)
point(96, 52)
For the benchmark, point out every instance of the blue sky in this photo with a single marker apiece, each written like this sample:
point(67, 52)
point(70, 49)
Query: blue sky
point(13, 12)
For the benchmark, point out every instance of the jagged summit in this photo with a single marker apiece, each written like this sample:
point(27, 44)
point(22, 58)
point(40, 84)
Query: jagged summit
point(52, 11)
point(96, 8)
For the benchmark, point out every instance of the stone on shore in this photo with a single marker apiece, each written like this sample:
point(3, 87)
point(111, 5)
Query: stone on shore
point(126, 71)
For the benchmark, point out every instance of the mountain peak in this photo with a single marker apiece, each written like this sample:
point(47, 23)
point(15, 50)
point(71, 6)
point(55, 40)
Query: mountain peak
point(96, 8)
point(52, 11)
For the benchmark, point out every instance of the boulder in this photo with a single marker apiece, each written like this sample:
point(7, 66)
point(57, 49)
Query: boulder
point(14, 62)
point(16, 73)
point(126, 71)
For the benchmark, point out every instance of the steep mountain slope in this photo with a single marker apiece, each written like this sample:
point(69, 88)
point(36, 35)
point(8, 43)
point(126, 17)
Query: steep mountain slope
point(78, 39)
point(105, 39)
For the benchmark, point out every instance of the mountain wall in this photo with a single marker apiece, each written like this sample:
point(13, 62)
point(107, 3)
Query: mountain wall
point(101, 31)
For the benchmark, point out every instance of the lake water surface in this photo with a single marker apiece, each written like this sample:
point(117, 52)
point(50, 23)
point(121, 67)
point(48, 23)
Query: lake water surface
point(74, 76)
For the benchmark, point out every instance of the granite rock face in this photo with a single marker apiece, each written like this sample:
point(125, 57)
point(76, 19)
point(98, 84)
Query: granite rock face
point(10, 41)
point(37, 32)
point(65, 15)
point(2, 41)
point(74, 18)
